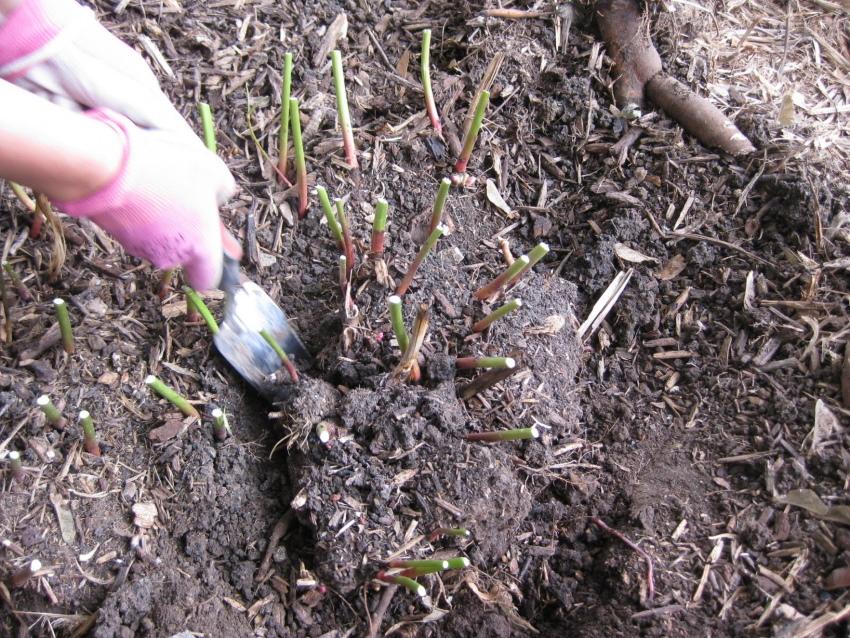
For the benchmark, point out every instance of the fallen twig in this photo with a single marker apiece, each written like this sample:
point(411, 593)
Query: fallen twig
point(650, 572)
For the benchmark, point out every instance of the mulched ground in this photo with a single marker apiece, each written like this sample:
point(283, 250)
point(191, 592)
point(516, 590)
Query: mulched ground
point(702, 421)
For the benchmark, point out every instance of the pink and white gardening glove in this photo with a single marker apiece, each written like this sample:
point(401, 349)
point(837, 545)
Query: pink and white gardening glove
point(58, 50)
point(162, 205)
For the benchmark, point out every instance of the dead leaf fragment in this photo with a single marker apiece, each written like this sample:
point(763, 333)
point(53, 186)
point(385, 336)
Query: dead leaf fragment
point(145, 514)
point(672, 268)
point(811, 502)
point(171, 428)
point(496, 198)
point(337, 29)
point(826, 425)
point(65, 518)
point(631, 255)
point(837, 579)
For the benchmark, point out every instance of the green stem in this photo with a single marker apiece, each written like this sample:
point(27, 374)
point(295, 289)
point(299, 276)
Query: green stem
point(90, 443)
point(397, 321)
point(512, 305)
point(208, 126)
point(283, 136)
point(51, 412)
point(300, 163)
point(333, 224)
point(404, 581)
point(23, 292)
point(425, 73)
point(420, 567)
point(537, 253)
point(472, 133)
point(347, 242)
point(342, 109)
point(220, 425)
point(16, 468)
point(440, 203)
point(379, 226)
point(284, 358)
point(22, 196)
point(457, 532)
point(171, 396)
point(468, 363)
point(195, 299)
point(460, 562)
point(504, 435)
point(509, 273)
point(420, 257)
point(64, 324)
point(343, 273)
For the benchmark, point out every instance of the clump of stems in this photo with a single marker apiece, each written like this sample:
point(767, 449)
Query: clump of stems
point(457, 532)
point(21, 576)
point(23, 292)
point(208, 126)
point(171, 396)
point(64, 320)
point(420, 257)
point(90, 443)
point(220, 425)
point(498, 313)
point(470, 363)
point(404, 581)
point(347, 242)
point(283, 135)
point(440, 203)
point(517, 434)
point(425, 67)
point(300, 163)
point(343, 273)
point(284, 358)
point(536, 254)
point(16, 468)
point(333, 224)
point(397, 321)
point(472, 133)
point(342, 109)
point(193, 299)
point(499, 282)
point(51, 412)
point(379, 227)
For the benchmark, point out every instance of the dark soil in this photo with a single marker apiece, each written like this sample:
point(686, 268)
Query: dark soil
point(678, 423)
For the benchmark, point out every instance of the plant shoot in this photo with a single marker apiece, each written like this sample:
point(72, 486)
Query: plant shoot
point(300, 162)
point(485, 323)
point(342, 109)
point(284, 358)
point(208, 126)
point(220, 425)
point(470, 363)
point(379, 226)
point(283, 135)
point(90, 443)
point(499, 282)
point(472, 133)
point(333, 224)
point(440, 203)
point(193, 299)
point(171, 396)
point(397, 321)
point(420, 257)
point(403, 581)
point(425, 68)
point(517, 434)
point(64, 324)
point(51, 412)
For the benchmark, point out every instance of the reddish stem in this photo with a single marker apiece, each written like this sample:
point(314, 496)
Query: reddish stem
point(290, 368)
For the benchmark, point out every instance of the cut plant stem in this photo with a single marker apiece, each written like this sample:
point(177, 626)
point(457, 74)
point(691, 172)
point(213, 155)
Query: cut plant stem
point(457, 532)
point(504, 435)
point(284, 358)
point(397, 321)
point(379, 227)
point(195, 300)
point(51, 412)
point(425, 66)
point(408, 363)
point(192, 314)
point(300, 163)
point(90, 443)
point(16, 469)
point(440, 203)
point(208, 126)
point(165, 283)
point(23, 292)
point(342, 109)
point(460, 562)
point(348, 244)
point(343, 273)
point(21, 576)
point(171, 396)
point(64, 324)
point(283, 135)
point(498, 313)
point(404, 581)
point(27, 201)
point(472, 133)
point(415, 568)
point(322, 432)
point(469, 363)
point(333, 224)
point(420, 257)
point(509, 273)
point(537, 253)
point(220, 425)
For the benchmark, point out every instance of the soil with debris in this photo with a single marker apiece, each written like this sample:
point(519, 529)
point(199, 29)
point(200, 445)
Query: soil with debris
point(703, 419)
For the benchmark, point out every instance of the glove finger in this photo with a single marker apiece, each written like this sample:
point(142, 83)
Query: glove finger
point(203, 269)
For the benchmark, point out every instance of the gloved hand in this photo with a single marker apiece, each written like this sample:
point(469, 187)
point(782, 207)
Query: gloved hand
point(58, 50)
point(162, 205)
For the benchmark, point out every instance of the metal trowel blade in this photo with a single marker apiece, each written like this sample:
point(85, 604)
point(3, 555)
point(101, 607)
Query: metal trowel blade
point(248, 310)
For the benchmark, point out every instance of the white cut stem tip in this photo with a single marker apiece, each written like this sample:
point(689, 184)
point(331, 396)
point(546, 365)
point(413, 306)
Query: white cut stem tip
point(217, 413)
point(35, 565)
point(465, 561)
point(420, 591)
point(442, 228)
point(519, 303)
point(14, 455)
point(381, 200)
point(395, 300)
point(510, 363)
point(58, 302)
point(83, 415)
point(445, 564)
point(534, 431)
point(150, 379)
point(42, 400)
point(324, 436)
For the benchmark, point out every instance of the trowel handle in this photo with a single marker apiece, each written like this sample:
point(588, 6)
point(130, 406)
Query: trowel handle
point(230, 277)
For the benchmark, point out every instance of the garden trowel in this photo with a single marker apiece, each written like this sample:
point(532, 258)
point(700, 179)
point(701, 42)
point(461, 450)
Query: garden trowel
point(247, 310)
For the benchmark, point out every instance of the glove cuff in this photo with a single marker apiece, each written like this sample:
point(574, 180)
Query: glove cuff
point(31, 27)
point(111, 196)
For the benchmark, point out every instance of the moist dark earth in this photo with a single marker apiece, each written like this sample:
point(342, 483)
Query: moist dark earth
point(681, 423)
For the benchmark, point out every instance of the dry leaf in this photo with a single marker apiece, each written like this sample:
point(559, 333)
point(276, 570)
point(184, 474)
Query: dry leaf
point(838, 579)
point(811, 502)
point(631, 255)
point(171, 428)
point(337, 29)
point(672, 268)
point(65, 518)
point(403, 477)
point(496, 198)
point(826, 424)
point(786, 111)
